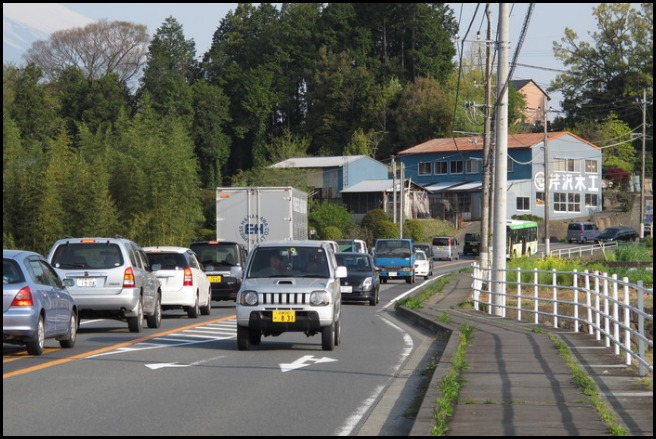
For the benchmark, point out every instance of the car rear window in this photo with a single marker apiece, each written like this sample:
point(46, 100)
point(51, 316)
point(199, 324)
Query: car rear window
point(216, 253)
point(441, 241)
point(87, 255)
point(167, 261)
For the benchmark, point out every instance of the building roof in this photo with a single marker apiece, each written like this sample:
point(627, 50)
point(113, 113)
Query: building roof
point(318, 162)
point(461, 144)
point(521, 83)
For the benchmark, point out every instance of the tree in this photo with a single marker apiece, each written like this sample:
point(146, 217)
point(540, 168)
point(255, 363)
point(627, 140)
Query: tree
point(324, 215)
point(170, 71)
point(619, 153)
point(96, 49)
point(606, 75)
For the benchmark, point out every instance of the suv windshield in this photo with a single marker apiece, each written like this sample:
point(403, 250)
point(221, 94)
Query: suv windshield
point(288, 262)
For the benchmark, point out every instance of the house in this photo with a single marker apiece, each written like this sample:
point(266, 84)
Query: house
point(450, 169)
point(330, 175)
point(383, 194)
point(536, 100)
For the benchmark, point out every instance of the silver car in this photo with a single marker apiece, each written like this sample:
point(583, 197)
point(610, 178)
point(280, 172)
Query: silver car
point(290, 286)
point(35, 303)
point(111, 278)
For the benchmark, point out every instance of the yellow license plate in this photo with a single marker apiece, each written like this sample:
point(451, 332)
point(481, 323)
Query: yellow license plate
point(284, 316)
point(215, 279)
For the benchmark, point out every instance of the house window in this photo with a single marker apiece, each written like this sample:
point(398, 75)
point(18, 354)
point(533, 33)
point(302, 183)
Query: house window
point(523, 203)
point(567, 202)
point(425, 168)
point(591, 166)
point(441, 168)
point(591, 200)
point(510, 165)
point(473, 166)
point(539, 198)
point(456, 167)
point(564, 165)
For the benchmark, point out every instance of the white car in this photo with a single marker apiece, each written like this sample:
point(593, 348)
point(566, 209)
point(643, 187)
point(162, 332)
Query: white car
point(423, 265)
point(183, 282)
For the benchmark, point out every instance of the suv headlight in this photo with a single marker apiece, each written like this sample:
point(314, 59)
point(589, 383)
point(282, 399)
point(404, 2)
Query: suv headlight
point(318, 298)
point(248, 298)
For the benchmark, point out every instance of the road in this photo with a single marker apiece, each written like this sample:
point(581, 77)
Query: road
point(188, 378)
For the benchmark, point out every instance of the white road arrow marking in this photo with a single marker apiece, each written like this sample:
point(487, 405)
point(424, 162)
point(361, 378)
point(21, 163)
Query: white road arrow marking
point(306, 360)
point(155, 366)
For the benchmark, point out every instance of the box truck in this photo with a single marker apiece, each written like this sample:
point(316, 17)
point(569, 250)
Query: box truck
point(250, 215)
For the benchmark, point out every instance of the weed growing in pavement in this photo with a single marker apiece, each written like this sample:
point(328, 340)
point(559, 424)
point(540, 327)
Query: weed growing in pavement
point(451, 382)
point(444, 318)
point(589, 388)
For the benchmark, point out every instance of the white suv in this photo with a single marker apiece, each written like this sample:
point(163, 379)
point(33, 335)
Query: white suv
point(290, 286)
point(184, 283)
point(111, 278)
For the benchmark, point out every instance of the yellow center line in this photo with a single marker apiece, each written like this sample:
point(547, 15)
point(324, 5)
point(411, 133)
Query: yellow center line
point(107, 349)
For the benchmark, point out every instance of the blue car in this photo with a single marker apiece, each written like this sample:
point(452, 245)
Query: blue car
point(36, 304)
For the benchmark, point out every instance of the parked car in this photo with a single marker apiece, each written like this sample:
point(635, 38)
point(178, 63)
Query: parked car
point(290, 286)
point(36, 303)
point(111, 278)
point(223, 262)
point(445, 247)
point(427, 248)
point(472, 244)
point(618, 233)
point(352, 245)
point(423, 265)
point(582, 232)
point(182, 280)
point(362, 281)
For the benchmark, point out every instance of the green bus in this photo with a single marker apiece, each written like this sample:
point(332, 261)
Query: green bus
point(521, 238)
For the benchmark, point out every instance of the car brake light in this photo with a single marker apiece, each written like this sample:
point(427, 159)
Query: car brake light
point(128, 278)
point(188, 281)
point(23, 298)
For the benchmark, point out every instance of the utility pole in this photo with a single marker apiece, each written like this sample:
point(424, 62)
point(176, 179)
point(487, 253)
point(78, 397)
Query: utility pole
point(402, 207)
point(547, 181)
point(642, 177)
point(487, 137)
point(393, 190)
point(501, 166)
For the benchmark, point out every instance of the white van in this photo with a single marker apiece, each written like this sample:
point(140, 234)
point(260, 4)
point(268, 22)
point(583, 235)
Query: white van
point(445, 247)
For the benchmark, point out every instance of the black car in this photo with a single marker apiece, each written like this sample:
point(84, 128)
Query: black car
point(362, 282)
point(618, 233)
point(223, 262)
point(472, 244)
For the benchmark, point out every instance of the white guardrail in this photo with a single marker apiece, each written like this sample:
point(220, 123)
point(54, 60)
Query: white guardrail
point(607, 308)
point(582, 251)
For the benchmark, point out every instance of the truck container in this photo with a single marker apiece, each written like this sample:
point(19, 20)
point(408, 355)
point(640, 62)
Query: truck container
point(250, 215)
point(396, 259)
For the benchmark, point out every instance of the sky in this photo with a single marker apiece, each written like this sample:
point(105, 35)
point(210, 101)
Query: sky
point(200, 20)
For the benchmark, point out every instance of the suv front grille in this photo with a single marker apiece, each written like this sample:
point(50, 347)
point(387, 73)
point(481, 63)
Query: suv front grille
point(284, 298)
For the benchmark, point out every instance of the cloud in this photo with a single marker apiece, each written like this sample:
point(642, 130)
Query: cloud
point(43, 17)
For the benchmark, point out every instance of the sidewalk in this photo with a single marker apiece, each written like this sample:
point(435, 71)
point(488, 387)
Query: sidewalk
point(517, 384)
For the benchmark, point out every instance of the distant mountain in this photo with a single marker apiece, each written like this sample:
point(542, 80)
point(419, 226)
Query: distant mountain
point(25, 23)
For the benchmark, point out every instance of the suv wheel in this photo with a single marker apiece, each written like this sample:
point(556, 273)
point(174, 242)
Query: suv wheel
point(243, 338)
point(155, 320)
point(192, 311)
point(328, 337)
point(135, 324)
point(207, 309)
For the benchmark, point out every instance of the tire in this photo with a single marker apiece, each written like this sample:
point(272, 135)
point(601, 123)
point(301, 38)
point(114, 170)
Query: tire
point(338, 332)
point(327, 337)
point(243, 338)
point(155, 320)
point(373, 299)
point(255, 337)
point(135, 324)
point(71, 335)
point(193, 311)
point(207, 310)
point(36, 347)
point(408, 280)
point(383, 280)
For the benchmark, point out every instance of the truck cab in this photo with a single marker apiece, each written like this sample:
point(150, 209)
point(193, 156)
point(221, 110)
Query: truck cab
point(396, 259)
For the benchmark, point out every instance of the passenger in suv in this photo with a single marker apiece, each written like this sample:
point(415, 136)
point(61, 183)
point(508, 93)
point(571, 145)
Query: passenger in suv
point(112, 278)
point(223, 262)
point(303, 297)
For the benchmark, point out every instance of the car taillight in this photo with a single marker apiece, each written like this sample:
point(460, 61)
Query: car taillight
point(188, 280)
point(128, 278)
point(23, 298)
